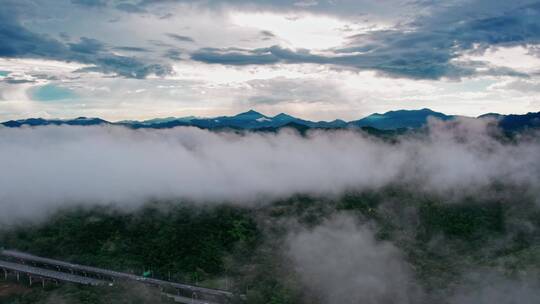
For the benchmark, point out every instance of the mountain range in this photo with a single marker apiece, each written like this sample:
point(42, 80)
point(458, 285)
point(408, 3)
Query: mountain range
point(252, 120)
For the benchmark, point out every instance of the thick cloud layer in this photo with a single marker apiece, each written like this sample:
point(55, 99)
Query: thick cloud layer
point(47, 167)
point(417, 39)
point(425, 48)
point(20, 42)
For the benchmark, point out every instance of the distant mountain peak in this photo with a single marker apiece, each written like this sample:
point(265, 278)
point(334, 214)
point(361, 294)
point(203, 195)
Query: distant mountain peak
point(283, 116)
point(423, 110)
point(400, 119)
point(391, 120)
point(491, 115)
point(79, 121)
point(250, 113)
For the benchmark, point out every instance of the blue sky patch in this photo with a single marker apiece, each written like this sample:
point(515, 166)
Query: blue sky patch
point(51, 92)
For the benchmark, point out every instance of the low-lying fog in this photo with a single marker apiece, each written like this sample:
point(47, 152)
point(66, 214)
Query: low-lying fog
point(47, 167)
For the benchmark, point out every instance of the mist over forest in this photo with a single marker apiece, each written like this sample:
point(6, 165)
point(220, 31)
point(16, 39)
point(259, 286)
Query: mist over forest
point(449, 213)
point(53, 167)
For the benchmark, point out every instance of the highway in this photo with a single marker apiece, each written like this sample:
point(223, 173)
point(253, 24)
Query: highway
point(73, 271)
point(69, 266)
point(50, 274)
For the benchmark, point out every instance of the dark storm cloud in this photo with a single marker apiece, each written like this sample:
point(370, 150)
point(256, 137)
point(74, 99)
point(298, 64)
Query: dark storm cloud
point(19, 42)
point(16, 81)
point(166, 16)
point(180, 37)
point(237, 56)
point(132, 49)
point(15, 78)
point(87, 46)
point(267, 35)
point(64, 36)
point(349, 8)
point(422, 45)
point(414, 64)
point(130, 8)
point(90, 2)
point(127, 67)
point(173, 54)
point(423, 49)
point(160, 43)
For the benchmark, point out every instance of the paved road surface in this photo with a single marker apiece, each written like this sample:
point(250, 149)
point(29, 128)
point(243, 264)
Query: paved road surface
point(113, 274)
point(50, 274)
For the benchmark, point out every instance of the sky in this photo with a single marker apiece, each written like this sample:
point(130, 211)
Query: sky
point(316, 59)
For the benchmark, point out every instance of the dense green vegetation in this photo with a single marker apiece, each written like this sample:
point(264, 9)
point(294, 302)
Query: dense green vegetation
point(176, 241)
point(240, 248)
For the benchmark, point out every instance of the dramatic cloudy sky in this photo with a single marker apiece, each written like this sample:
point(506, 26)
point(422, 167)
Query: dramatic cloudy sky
point(318, 59)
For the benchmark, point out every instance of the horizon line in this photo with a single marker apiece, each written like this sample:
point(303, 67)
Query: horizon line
point(258, 112)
